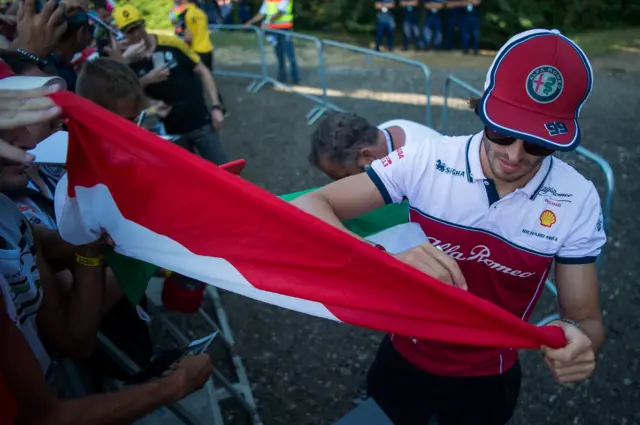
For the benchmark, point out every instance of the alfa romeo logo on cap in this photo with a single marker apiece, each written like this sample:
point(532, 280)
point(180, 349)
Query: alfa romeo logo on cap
point(544, 84)
point(125, 14)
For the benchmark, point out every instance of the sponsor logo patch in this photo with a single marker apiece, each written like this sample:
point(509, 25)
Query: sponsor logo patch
point(545, 84)
point(442, 167)
point(547, 218)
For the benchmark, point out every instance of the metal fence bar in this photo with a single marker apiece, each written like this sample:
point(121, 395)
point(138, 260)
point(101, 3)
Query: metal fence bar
point(390, 57)
point(258, 79)
point(582, 151)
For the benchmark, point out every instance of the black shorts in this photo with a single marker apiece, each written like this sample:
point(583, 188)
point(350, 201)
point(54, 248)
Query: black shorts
point(207, 59)
point(410, 396)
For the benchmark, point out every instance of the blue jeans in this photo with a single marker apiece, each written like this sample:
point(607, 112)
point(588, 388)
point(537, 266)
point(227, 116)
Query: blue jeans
point(470, 28)
point(244, 10)
point(454, 20)
point(433, 31)
point(284, 46)
point(411, 29)
point(385, 28)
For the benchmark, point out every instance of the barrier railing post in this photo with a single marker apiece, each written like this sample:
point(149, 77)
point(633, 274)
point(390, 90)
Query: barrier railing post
point(447, 88)
point(258, 80)
point(322, 102)
point(372, 53)
point(582, 151)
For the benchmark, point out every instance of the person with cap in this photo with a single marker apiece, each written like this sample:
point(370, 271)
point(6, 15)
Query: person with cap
point(171, 72)
point(498, 210)
point(28, 292)
point(344, 143)
point(278, 15)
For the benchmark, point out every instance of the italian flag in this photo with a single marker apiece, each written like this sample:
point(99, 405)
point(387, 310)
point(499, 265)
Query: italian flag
point(167, 207)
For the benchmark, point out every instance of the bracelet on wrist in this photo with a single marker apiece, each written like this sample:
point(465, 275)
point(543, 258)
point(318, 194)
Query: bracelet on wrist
point(90, 261)
point(376, 246)
point(571, 322)
point(39, 61)
point(218, 107)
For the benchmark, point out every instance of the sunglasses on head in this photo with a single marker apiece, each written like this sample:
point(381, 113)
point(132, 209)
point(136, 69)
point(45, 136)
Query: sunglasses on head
point(503, 140)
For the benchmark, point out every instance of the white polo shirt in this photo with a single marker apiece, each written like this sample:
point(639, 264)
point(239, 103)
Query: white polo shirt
point(413, 132)
point(504, 247)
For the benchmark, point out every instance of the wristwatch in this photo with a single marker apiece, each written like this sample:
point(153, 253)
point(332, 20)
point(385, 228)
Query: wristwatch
point(218, 107)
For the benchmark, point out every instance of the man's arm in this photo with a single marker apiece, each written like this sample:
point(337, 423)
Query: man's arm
point(259, 17)
point(37, 405)
point(436, 5)
point(208, 82)
point(578, 299)
point(70, 319)
point(354, 196)
point(58, 253)
point(344, 199)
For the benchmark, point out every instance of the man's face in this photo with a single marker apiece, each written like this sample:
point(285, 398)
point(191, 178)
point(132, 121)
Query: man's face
point(510, 163)
point(13, 176)
point(366, 156)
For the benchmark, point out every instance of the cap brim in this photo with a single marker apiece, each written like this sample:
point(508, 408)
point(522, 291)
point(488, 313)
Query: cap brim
point(30, 83)
point(550, 132)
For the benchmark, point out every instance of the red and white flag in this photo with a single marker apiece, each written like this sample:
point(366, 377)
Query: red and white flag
point(168, 207)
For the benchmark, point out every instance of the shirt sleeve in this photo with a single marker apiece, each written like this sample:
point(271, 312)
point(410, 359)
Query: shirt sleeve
point(587, 235)
point(283, 6)
point(395, 174)
point(192, 56)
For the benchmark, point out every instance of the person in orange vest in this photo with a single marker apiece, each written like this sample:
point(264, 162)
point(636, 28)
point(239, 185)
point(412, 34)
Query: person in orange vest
point(176, 16)
point(278, 15)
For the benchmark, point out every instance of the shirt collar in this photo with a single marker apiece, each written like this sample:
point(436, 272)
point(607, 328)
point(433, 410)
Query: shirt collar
point(475, 173)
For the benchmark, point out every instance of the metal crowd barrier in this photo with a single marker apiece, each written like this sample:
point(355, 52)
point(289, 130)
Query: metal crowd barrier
point(603, 165)
point(262, 79)
point(387, 56)
point(322, 101)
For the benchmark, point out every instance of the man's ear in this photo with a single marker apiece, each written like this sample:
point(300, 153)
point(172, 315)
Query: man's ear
point(367, 155)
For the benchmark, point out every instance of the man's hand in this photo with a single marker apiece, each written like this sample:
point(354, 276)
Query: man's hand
point(134, 52)
point(576, 361)
point(161, 109)
point(218, 118)
point(430, 260)
point(189, 374)
point(156, 75)
point(38, 33)
point(19, 108)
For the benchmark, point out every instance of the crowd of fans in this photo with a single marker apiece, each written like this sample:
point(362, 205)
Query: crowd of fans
point(57, 297)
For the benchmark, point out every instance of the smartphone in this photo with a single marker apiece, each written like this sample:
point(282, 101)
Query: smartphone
point(158, 60)
point(95, 19)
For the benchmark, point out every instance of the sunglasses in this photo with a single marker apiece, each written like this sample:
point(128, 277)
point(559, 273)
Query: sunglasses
point(503, 140)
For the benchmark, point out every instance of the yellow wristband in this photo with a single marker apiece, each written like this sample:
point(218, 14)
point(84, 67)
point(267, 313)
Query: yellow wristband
point(90, 261)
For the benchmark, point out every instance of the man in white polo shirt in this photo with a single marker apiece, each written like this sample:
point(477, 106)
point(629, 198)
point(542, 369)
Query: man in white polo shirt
point(344, 143)
point(498, 211)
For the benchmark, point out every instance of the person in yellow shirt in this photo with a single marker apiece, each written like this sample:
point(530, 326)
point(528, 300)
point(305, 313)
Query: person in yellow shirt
point(194, 25)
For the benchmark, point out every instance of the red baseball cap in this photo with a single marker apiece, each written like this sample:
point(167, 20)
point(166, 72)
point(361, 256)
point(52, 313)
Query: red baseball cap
point(9, 80)
point(535, 89)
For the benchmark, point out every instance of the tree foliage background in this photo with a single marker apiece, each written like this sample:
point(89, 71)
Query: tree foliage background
point(500, 18)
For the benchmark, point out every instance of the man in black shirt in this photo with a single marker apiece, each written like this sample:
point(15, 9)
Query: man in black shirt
point(171, 72)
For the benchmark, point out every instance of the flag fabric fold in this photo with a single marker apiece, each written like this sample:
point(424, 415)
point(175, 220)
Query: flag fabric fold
point(168, 207)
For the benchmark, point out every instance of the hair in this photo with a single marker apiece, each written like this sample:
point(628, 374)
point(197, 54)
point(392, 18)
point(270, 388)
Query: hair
point(18, 63)
point(105, 81)
point(340, 136)
point(474, 103)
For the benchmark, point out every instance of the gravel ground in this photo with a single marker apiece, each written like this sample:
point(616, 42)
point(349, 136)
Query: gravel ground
point(308, 371)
